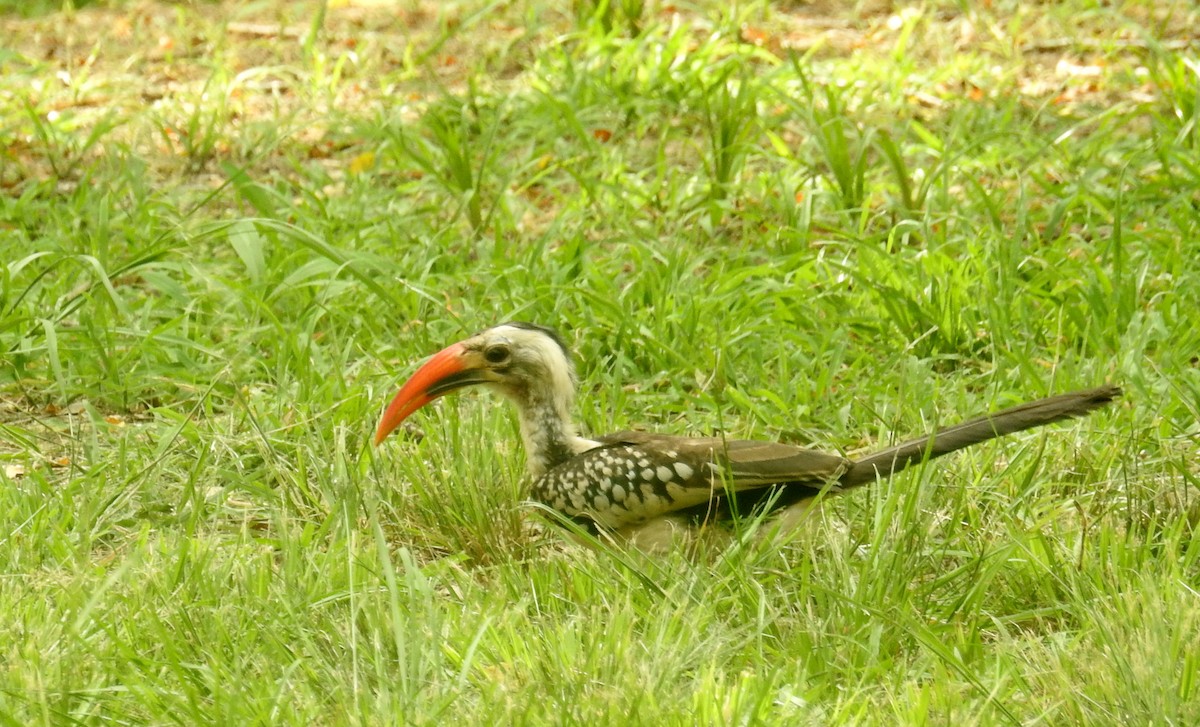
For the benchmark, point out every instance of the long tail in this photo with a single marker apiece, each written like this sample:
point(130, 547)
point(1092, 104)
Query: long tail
point(989, 426)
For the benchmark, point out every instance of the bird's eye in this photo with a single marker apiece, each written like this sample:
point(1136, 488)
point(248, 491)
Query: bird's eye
point(496, 354)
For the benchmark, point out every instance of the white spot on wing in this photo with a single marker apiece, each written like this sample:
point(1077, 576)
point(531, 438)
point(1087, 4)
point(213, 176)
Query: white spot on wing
point(683, 471)
point(664, 473)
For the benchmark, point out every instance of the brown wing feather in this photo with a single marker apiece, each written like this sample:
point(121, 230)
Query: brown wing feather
point(737, 476)
point(746, 464)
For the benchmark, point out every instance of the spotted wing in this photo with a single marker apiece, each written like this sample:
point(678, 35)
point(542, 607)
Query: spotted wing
point(742, 463)
point(636, 476)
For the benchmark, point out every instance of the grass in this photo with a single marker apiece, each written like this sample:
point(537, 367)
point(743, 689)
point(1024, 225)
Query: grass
point(230, 230)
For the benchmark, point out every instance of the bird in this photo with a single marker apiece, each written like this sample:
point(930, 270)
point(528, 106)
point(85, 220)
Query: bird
point(642, 487)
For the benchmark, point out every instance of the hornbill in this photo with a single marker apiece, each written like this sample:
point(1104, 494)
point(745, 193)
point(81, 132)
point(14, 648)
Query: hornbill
point(625, 482)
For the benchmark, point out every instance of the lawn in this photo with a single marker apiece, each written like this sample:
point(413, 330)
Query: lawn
point(229, 231)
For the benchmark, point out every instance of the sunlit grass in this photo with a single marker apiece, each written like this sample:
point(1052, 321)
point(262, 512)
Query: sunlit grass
point(229, 231)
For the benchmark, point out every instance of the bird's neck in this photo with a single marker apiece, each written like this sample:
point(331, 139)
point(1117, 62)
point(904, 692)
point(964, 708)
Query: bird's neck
point(549, 434)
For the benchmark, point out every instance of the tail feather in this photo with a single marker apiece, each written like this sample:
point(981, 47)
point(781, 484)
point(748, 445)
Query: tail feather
point(989, 426)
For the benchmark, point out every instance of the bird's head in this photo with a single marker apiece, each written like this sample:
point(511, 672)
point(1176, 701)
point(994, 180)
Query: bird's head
point(522, 361)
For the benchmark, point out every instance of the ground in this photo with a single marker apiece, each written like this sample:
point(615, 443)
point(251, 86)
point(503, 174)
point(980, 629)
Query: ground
point(230, 230)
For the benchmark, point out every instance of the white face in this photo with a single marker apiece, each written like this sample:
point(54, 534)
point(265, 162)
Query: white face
point(524, 362)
